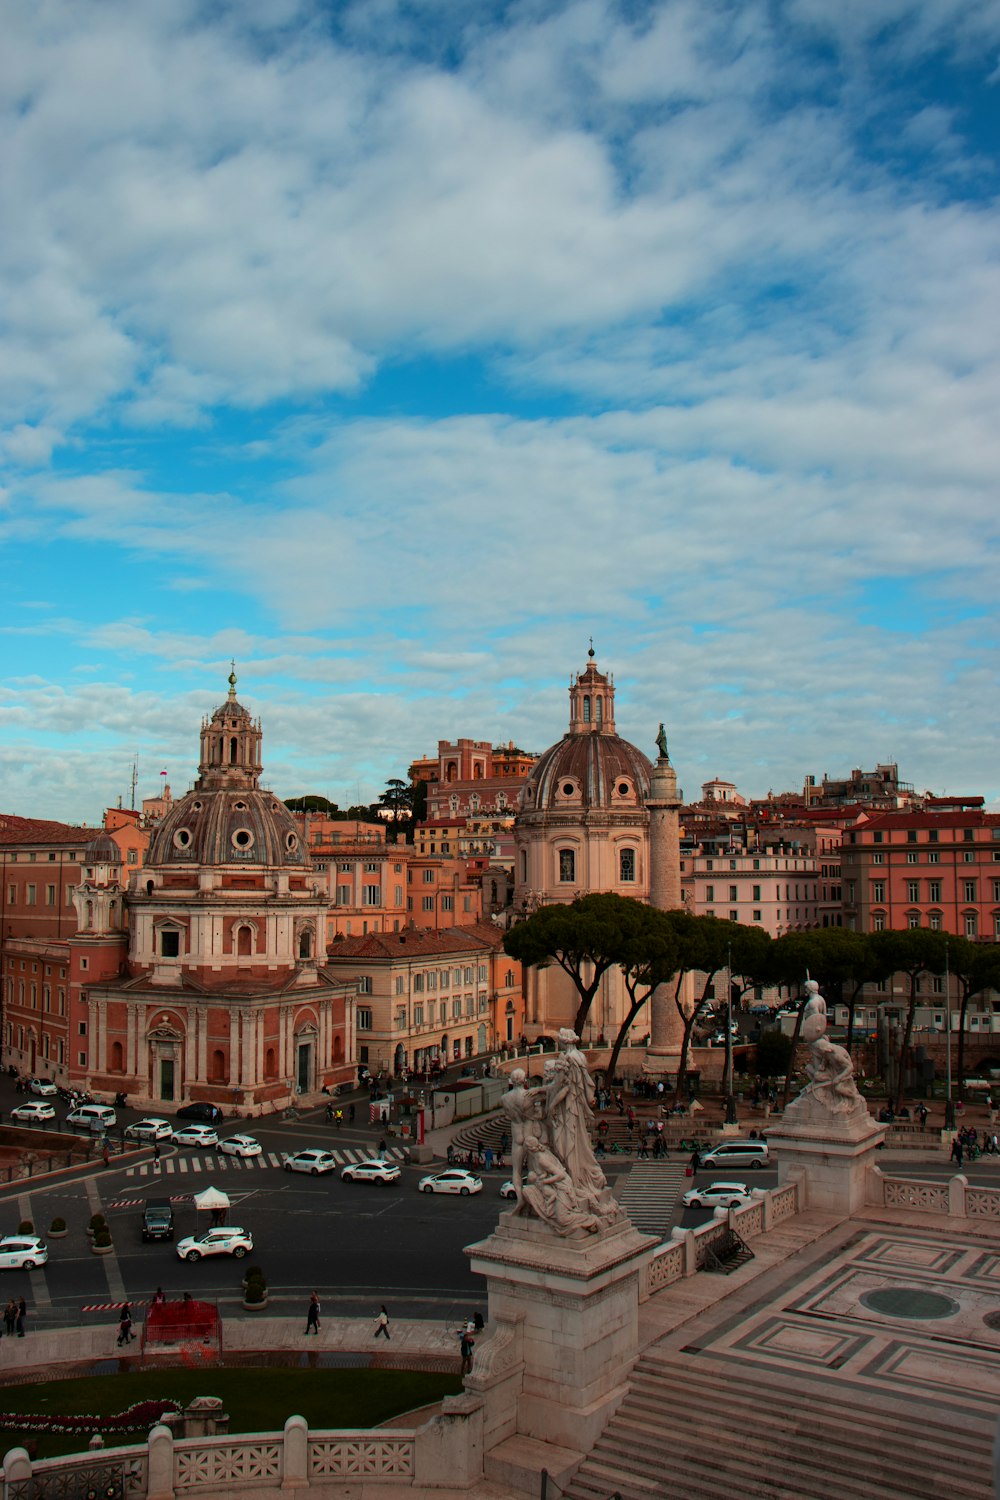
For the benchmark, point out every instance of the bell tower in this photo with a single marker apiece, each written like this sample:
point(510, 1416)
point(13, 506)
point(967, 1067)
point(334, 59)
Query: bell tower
point(592, 700)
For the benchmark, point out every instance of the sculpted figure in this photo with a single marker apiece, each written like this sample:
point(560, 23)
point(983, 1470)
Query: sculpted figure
point(661, 741)
point(831, 1071)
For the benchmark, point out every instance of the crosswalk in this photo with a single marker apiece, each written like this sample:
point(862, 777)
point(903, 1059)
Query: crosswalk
point(649, 1191)
point(210, 1162)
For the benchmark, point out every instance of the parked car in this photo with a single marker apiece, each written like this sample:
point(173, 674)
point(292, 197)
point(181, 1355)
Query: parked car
point(35, 1111)
point(735, 1154)
point(43, 1087)
point(22, 1252)
point(152, 1129)
point(310, 1161)
point(375, 1170)
point(454, 1180)
point(158, 1219)
point(508, 1190)
point(195, 1135)
point(202, 1113)
point(227, 1240)
point(717, 1195)
point(241, 1145)
point(93, 1117)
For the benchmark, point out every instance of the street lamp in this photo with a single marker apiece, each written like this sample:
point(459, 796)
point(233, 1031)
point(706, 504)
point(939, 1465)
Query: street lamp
point(949, 1107)
point(730, 1097)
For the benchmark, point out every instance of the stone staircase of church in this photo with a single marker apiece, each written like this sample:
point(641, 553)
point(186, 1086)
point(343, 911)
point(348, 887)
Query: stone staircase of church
point(703, 1429)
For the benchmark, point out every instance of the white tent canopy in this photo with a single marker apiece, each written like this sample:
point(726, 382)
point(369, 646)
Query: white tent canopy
point(211, 1197)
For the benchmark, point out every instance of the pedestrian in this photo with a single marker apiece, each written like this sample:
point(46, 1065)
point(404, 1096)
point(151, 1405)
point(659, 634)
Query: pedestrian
point(381, 1150)
point(21, 1314)
point(9, 1317)
point(381, 1323)
point(125, 1334)
point(156, 1156)
point(489, 1158)
point(159, 1297)
point(956, 1150)
point(106, 1155)
point(350, 1113)
point(338, 1118)
point(643, 1153)
point(466, 1347)
point(312, 1315)
point(695, 1160)
point(329, 1113)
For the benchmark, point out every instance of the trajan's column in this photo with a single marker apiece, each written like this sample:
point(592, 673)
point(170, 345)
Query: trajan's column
point(663, 802)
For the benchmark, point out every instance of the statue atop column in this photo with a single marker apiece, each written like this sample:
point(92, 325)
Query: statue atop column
point(554, 1171)
point(831, 1087)
point(661, 742)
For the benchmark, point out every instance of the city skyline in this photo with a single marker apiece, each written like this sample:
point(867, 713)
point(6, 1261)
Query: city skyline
point(395, 350)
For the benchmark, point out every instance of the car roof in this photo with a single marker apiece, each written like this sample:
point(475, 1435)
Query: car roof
point(724, 1187)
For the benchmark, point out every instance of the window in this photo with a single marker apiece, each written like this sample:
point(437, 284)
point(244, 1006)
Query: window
point(734, 916)
point(968, 856)
point(364, 1018)
point(371, 895)
point(443, 979)
point(467, 975)
point(456, 977)
point(913, 919)
point(996, 890)
point(50, 895)
point(418, 984)
point(932, 837)
point(428, 903)
point(567, 864)
point(911, 836)
point(399, 984)
point(968, 835)
point(878, 921)
point(733, 893)
point(170, 943)
point(626, 866)
point(933, 857)
point(757, 917)
point(346, 868)
point(877, 838)
point(970, 890)
point(710, 893)
point(913, 890)
point(447, 903)
point(756, 893)
point(934, 890)
point(878, 858)
point(482, 974)
point(456, 1010)
point(365, 984)
point(418, 1015)
point(343, 895)
point(30, 898)
point(82, 1028)
point(971, 924)
point(432, 981)
point(911, 856)
point(428, 876)
point(371, 867)
point(878, 890)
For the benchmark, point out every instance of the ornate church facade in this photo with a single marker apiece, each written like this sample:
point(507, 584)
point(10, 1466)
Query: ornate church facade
point(595, 815)
point(205, 979)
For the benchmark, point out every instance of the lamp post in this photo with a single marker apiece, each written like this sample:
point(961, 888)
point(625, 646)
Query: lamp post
point(730, 1097)
point(949, 1107)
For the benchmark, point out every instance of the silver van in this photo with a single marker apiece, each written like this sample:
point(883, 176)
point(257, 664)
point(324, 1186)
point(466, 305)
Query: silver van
point(92, 1117)
point(735, 1154)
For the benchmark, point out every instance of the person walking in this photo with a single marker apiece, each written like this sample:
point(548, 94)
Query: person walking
point(957, 1150)
point(125, 1334)
point(156, 1156)
point(382, 1323)
point(22, 1311)
point(106, 1154)
point(9, 1317)
point(312, 1315)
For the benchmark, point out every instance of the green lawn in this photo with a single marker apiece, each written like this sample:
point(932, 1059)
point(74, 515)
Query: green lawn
point(257, 1400)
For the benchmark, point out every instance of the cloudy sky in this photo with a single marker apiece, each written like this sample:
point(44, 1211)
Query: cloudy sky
point(396, 348)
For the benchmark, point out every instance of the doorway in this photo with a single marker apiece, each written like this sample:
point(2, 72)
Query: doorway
point(167, 1079)
point(303, 1067)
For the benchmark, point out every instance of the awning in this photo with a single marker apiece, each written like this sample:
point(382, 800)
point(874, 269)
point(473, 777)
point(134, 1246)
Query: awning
point(211, 1197)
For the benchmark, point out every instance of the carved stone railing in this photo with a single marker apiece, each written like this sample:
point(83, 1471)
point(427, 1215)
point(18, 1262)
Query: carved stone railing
point(448, 1446)
point(687, 1250)
point(953, 1198)
point(784, 1203)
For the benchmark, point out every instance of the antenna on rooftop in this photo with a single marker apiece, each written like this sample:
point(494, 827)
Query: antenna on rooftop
point(135, 780)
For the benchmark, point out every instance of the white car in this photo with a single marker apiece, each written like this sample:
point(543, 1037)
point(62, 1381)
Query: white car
point(375, 1170)
point(43, 1087)
point(33, 1111)
point(227, 1240)
point(455, 1180)
point(148, 1130)
point(241, 1145)
point(195, 1135)
point(717, 1195)
point(310, 1161)
point(508, 1190)
point(22, 1252)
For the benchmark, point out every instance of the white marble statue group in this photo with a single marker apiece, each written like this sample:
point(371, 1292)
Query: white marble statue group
point(831, 1072)
point(554, 1171)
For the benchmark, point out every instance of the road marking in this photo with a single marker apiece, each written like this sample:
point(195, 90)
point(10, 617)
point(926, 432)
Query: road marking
point(112, 1270)
point(223, 1163)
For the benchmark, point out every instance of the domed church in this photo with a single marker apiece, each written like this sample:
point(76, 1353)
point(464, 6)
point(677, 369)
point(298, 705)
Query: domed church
point(203, 982)
point(595, 815)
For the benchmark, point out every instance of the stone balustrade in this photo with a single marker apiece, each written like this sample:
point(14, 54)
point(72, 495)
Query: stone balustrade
point(954, 1198)
point(682, 1254)
point(445, 1452)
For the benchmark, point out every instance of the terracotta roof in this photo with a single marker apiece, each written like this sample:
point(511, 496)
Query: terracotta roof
point(15, 830)
point(942, 819)
point(416, 942)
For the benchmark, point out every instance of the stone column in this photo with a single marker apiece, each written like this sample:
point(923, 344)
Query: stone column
point(234, 1047)
point(248, 1052)
point(201, 1045)
point(666, 1027)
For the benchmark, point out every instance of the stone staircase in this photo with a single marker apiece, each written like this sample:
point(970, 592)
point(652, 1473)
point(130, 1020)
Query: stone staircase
point(697, 1428)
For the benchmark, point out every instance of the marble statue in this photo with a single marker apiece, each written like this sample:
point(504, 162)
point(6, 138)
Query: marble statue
point(831, 1083)
point(555, 1174)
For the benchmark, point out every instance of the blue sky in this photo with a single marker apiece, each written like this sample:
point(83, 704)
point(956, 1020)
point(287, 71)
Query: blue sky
point(395, 349)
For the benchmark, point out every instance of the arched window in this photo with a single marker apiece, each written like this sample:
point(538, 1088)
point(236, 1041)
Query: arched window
point(270, 1071)
point(477, 774)
point(117, 1058)
point(244, 941)
point(305, 943)
point(626, 865)
point(567, 864)
point(600, 710)
point(232, 750)
point(88, 914)
point(586, 708)
point(218, 1066)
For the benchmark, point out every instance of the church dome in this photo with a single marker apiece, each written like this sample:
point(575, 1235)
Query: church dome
point(102, 851)
point(592, 766)
point(239, 826)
